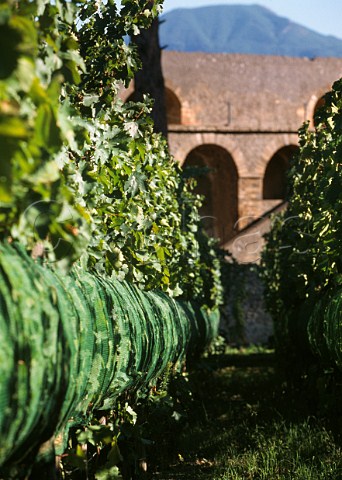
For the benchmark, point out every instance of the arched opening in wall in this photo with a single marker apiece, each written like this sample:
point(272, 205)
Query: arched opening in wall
point(217, 181)
point(320, 103)
point(275, 182)
point(173, 106)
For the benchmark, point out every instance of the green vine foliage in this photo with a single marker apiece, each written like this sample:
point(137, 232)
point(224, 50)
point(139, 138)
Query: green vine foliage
point(83, 176)
point(302, 261)
point(35, 201)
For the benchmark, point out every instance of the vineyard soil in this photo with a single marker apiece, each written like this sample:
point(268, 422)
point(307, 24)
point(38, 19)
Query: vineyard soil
point(245, 423)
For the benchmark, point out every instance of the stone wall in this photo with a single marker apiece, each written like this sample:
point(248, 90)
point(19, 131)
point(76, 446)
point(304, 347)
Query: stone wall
point(239, 113)
point(244, 318)
point(247, 93)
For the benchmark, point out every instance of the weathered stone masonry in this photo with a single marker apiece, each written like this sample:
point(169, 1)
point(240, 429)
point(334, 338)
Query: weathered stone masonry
point(239, 115)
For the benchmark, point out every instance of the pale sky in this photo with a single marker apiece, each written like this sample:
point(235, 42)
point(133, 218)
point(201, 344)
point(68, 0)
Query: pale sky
point(323, 16)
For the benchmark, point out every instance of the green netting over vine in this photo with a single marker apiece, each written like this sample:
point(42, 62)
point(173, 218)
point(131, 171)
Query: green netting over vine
point(325, 329)
point(72, 344)
point(314, 328)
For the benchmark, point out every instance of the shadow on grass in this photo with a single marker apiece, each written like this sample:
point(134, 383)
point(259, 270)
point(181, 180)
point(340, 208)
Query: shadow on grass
point(245, 423)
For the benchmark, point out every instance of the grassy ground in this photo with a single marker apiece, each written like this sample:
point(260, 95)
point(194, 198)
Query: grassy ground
point(244, 423)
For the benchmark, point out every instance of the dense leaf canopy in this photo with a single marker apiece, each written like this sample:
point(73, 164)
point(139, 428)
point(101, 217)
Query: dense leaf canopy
point(302, 261)
point(83, 177)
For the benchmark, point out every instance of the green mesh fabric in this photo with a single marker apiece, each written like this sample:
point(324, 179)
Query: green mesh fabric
point(72, 344)
point(332, 328)
point(325, 329)
point(315, 330)
point(34, 351)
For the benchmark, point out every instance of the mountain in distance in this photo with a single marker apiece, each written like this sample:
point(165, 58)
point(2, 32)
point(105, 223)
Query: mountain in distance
point(242, 29)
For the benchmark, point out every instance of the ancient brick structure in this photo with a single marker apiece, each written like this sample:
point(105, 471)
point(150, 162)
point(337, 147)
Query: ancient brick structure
point(239, 116)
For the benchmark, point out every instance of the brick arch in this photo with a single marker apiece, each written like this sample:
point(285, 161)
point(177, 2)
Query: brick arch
point(275, 144)
point(314, 102)
point(173, 107)
point(186, 112)
point(320, 103)
point(274, 180)
point(217, 180)
point(173, 103)
point(181, 150)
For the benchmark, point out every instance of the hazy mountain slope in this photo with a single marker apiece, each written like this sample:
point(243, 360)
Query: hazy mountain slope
point(242, 29)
